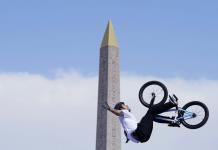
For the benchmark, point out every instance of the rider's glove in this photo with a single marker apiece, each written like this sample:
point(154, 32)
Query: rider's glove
point(106, 106)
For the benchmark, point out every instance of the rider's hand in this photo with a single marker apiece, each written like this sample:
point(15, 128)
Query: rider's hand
point(106, 106)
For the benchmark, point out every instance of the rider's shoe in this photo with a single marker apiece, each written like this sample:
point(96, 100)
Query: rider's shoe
point(173, 99)
point(174, 124)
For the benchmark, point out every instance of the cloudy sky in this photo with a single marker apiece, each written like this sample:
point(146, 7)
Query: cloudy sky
point(49, 55)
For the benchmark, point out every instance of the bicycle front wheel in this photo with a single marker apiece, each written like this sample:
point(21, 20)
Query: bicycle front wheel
point(153, 88)
point(195, 115)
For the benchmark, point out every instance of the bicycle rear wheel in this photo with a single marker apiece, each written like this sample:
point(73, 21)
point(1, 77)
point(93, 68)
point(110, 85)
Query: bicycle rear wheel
point(150, 88)
point(199, 114)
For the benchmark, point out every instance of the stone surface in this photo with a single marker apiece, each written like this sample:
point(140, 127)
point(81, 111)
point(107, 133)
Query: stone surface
point(108, 136)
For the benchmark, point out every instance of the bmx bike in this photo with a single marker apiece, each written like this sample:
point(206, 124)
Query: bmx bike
point(192, 115)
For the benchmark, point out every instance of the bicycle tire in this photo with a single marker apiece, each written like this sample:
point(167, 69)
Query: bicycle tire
point(146, 85)
point(205, 119)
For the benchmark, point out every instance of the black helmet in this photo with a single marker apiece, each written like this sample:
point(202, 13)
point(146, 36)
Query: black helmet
point(118, 106)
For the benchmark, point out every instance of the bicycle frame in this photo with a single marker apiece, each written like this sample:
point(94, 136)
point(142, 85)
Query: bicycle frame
point(186, 115)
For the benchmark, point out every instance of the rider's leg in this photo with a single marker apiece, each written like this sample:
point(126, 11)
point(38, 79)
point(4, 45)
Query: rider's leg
point(158, 109)
point(145, 127)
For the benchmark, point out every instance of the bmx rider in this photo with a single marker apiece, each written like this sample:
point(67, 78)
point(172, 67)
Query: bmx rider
point(140, 132)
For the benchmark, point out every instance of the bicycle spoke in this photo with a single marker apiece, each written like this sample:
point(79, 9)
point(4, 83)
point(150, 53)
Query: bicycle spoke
point(159, 93)
point(198, 111)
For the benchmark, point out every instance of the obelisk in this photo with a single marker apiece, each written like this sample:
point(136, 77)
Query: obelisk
point(108, 136)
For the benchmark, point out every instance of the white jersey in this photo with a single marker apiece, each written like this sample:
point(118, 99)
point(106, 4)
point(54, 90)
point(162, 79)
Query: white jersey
point(129, 124)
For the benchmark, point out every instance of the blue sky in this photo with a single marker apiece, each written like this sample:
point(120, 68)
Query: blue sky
point(160, 38)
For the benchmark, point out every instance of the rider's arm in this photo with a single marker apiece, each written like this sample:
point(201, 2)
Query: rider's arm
point(115, 111)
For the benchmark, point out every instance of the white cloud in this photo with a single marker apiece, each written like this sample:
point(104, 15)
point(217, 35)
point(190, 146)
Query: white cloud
point(60, 113)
